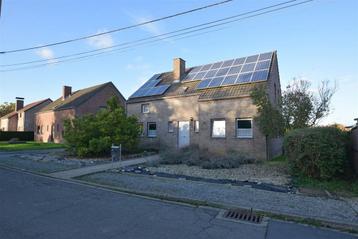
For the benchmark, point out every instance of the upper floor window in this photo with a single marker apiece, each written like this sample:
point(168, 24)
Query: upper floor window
point(152, 130)
point(145, 108)
point(218, 128)
point(244, 128)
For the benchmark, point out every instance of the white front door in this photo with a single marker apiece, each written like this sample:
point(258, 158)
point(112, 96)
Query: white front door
point(184, 134)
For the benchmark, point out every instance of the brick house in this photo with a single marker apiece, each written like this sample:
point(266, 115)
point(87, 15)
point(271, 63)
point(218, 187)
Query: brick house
point(50, 120)
point(208, 106)
point(23, 118)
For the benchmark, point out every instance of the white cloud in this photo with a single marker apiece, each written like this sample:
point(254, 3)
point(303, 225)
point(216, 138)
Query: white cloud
point(101, 41)
point(152, 28)
point(45, 53)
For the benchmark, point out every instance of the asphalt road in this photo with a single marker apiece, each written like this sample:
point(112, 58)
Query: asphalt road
point(37, 207)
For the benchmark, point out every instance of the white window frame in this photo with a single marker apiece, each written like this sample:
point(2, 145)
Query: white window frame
point(171, 126)
point(196, 126)
point(216, 133)
point(152, 133)
point(243, 133)
point(145, 108)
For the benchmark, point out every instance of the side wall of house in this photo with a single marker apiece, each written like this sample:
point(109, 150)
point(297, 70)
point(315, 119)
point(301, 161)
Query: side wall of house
point(4, 124)
point(12, 123)
point(99, 100)
point(27, 120)
point(161, 112)
point(49, 125)
point(230, 110)
point(274, 145)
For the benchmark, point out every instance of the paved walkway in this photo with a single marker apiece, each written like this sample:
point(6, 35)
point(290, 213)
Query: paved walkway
point(102, 167)
point(326, 209)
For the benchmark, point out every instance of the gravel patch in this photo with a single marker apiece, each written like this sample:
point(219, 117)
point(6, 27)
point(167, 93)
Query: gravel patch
point(263, 173)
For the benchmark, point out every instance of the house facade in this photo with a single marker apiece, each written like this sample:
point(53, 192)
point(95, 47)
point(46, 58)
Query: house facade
point(208, 106)
point(23, 118)
point(50, 120)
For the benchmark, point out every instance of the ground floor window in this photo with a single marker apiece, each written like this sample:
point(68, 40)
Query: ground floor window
point(218, 128)
point(196, 126)
point(152, 130)
point(38, 129)
point(244, 128)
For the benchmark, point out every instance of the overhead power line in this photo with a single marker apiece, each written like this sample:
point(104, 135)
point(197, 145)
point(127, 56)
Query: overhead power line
point(144, 41)
point(117, 29)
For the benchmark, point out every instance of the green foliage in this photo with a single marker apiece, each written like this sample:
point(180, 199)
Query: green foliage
point(269, 117)
point(302, 108)
point(319, 152)
point(93, 135)
point(192, 157)
point(6, 108)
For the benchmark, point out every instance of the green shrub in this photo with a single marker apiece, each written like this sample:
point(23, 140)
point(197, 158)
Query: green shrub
point(191, 156)
point(93, 135)
point(319, 152)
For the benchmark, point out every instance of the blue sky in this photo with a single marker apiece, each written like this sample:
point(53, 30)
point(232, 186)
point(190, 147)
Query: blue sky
point(316, 41)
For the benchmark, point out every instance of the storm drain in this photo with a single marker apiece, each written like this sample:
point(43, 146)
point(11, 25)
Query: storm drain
point(243, 215)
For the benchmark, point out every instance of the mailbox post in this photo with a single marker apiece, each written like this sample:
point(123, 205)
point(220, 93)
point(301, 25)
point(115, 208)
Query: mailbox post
point(116, 152)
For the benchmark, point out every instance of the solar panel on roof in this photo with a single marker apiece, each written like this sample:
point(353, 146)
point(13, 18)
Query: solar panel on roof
point(261, 65)
point(227, 63)
point(203, 84)
point(223, 71)
point(206, 67)
point(243, 78)
point(265, 56)
point(248, 67)
point(234, 70)
point(216, 82)
point(260, 75)
point(200, 75)
point(210, 74)
point(250, 59)
point(229, 80)
point(217, 65)
point(239, 61)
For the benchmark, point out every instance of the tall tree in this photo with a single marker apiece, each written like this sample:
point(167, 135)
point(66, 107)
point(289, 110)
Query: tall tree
point(300, 107)
point(6, 108)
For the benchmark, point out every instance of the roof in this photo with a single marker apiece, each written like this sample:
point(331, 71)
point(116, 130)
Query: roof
point(25, 108)
point(75, 99)
point(9, 115)
point(33, 104)
point(163, 85)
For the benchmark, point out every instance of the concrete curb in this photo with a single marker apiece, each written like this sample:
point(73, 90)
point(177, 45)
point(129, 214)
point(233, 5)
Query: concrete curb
point(351, 228)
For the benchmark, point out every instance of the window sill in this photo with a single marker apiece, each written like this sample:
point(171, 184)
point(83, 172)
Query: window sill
point(218, 137)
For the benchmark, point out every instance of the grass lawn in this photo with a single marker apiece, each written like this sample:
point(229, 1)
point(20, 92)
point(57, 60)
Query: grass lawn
point(30, 145)
point(337, 186)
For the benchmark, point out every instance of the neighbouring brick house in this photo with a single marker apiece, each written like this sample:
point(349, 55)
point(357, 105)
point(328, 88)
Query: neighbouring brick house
point(50, 120)
point(23, 118)
point(208, 106)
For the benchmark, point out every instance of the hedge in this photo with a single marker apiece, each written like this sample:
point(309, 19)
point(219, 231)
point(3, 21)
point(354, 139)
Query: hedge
point(319, 152)
point(22, 136)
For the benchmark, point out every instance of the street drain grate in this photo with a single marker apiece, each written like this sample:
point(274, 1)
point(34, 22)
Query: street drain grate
point(243, 215)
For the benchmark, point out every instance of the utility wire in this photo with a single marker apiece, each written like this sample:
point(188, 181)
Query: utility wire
point(160, 36)
point(54, 60)
point(117, 29)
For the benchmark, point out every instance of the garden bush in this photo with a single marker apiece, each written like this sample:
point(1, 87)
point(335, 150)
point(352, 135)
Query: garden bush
point(93, 135)
point(192, 156)
point(319, 152)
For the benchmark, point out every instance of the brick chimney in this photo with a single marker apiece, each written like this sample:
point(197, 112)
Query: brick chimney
point(19, 103)
point(66, 91)
point(178, 69)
